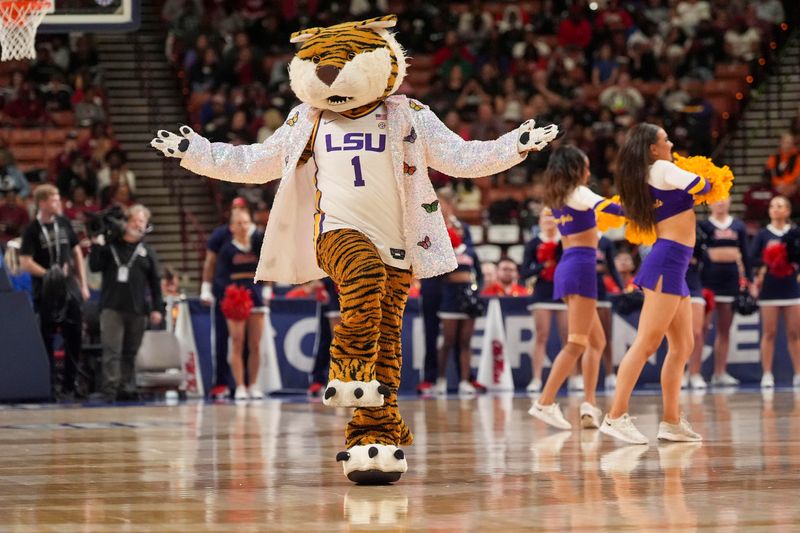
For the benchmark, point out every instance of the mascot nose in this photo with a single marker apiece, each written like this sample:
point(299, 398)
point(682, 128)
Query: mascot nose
point(327, 74)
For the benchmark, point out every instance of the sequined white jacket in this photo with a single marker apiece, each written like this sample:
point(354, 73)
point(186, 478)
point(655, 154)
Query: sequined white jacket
point(288, 253)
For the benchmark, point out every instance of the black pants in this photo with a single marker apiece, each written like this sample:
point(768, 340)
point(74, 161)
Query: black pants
point(71, 328)
point(223, 370)
point(322, 357)
point(431, 293)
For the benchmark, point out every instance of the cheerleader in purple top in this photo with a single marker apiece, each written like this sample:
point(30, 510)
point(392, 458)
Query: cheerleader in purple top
point(573, 206)
point(776, 288)
point(658, 195)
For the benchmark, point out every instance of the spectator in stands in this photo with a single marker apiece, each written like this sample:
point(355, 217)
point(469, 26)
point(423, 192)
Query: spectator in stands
point(26, 108)
point(696, 117)
point(613, 18)
point(13, 214)
point(79, 173)
point(272, 120)
point(454, 53)
point(89, 109)
point(68, 154)
point(130, 271)
point(622, 98)
point(575, 30)
point(489, 271)
point(51, 253)
point(605, 67)
point(207, 73)
point(507, 281)
point(784, 167)
point(57, 95)
point(770, 11)
point(626, 269)
point(11, 176)
point(115, 170)
point(98, 144)
point(756, 203)
point(742, 41)
point(689, 13)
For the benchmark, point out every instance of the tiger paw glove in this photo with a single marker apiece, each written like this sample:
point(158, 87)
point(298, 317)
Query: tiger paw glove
point(172, 145)
point(533, 139)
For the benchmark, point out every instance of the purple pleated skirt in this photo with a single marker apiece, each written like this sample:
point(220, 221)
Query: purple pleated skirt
point(576, 273)
point(668, 261)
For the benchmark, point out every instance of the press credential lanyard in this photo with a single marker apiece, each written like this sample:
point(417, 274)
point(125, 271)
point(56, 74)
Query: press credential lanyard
point(124, 271)
point(57, 243)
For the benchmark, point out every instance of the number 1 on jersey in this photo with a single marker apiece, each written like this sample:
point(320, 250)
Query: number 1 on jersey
point(359, 181)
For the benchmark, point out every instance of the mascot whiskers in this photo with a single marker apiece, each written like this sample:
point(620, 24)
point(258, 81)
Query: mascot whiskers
point(355, 203)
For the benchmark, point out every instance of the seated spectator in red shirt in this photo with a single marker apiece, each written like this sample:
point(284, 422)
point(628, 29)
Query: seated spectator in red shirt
point(506, 284)
point(13, 215)
point(575, 30)
point(784, 167)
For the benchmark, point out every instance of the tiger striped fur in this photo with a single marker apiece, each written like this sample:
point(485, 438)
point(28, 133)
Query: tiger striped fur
point(367, 342)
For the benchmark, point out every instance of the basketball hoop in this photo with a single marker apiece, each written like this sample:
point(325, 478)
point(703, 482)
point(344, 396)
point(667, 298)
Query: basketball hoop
point(19, 20)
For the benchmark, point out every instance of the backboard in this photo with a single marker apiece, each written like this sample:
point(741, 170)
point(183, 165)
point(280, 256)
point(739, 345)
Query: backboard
point(92, 15)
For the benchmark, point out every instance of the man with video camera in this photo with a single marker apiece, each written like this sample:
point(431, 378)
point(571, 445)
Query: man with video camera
point(51, 253)
point(130, 268)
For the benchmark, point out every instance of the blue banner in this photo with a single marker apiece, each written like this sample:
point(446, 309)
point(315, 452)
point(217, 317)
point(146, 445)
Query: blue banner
point(295, 324)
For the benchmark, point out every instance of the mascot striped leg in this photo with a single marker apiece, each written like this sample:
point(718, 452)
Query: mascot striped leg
point(366, 354)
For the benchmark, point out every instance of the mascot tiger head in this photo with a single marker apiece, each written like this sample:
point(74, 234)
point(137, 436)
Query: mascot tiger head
point(349, 65)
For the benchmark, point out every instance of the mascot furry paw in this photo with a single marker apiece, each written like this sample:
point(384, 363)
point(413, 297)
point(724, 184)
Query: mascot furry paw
point(355, 203)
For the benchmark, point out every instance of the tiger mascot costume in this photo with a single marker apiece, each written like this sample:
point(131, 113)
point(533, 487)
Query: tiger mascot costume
point(355, 203)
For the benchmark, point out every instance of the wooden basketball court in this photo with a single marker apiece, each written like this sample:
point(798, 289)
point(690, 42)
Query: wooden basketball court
point(478, 464)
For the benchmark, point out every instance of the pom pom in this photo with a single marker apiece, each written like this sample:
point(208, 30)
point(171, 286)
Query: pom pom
point(546, 254)
point(237, 303)
point(455, 238)
point(721, 179)
point(635, 235)
point(711, 303)
point(776, 259)
point(607, 221)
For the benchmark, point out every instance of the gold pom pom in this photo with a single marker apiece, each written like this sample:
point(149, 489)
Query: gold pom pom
point(721, 179)
point(635, 235)
point(607, 221)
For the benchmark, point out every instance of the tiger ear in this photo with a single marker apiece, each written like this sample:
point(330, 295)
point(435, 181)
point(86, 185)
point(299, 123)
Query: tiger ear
point(304, 35)
point(387, 21)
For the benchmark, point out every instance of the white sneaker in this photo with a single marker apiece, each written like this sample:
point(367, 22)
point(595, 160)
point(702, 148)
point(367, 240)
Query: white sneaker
point(796, 381)
point(440, 389)
point(724, 380)
point(622, 460)
point(535, 385)
point(241, 393)
point(255, 393)
point(622, 428)
point(549, 414)
point(465, 388)
point(576, 383)
point(611, 382)
point(685, 381)
point(697, 382)
point(680, 432)
point(767, 380)
point(590, 416)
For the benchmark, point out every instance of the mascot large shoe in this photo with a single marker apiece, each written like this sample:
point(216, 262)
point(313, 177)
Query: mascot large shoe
point(355, 203)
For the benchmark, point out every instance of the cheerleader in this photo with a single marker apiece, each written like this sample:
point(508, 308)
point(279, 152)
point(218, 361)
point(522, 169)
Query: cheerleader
point(777, 288)
point(459, 308)
point(237, 261)
point(725, 268)
point(606, 254)
point(694, 378)
point(573, 206)
point(538, 268)
point(657, 195)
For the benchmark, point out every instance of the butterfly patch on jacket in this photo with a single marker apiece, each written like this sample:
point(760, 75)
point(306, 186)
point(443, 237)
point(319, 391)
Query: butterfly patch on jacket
point(293, 120)
point(415, 105)
point(431, 207)
point(411, 137)
point(409, 169)
point(425, 243)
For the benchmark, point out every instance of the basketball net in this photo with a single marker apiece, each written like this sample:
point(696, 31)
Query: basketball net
point(19, 20)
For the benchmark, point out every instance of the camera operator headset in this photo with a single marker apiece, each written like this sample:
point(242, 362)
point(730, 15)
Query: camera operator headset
point(129, 267)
